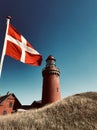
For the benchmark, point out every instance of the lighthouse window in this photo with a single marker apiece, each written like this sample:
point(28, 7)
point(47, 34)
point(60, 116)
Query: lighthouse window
point(50, 63)
point(57, 90)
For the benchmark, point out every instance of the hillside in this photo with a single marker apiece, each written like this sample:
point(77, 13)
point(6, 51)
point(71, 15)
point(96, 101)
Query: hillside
point(77, 112)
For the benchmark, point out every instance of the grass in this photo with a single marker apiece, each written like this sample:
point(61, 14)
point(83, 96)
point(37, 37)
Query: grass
point(77, 112)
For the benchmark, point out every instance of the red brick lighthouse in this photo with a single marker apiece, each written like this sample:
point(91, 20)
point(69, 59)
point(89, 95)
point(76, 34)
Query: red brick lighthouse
point(51, 82)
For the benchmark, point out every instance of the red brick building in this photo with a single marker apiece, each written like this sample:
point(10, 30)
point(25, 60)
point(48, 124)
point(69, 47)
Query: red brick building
point(9, 104)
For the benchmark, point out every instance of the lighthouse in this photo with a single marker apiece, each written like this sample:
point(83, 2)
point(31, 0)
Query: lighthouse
point(51, 82)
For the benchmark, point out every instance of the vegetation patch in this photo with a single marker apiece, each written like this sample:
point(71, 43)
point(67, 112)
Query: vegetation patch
point(77, 112)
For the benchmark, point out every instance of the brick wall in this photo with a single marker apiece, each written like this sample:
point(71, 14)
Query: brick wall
point(6, 107)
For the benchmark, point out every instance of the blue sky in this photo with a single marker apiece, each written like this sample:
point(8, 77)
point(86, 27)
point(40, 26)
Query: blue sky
point(67, 29)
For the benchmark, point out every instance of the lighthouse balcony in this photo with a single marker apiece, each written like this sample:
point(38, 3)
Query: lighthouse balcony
point(45, 72)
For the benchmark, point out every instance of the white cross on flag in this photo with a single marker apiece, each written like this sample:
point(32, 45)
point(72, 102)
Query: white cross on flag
point(19, 48)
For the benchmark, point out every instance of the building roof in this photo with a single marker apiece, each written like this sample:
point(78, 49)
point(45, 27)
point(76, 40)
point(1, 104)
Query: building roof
point(2, 98)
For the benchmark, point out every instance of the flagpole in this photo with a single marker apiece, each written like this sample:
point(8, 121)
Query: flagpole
point(5, 43)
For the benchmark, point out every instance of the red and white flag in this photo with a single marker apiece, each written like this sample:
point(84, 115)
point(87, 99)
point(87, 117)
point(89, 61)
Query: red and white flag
point(17, 47)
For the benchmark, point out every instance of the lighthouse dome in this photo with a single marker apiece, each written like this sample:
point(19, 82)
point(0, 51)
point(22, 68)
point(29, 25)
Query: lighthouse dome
point(50, 57)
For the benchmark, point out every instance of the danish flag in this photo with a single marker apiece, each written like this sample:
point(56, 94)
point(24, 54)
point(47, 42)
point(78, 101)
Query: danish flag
point(20, 49)
point(17, 47)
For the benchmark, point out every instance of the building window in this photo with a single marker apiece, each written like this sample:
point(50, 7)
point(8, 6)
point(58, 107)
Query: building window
point(4, 112)
point(10, 104)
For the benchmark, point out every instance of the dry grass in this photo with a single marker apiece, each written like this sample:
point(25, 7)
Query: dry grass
point(77, 112)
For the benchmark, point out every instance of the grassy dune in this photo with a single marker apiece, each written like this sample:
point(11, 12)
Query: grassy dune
point(77, 112)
